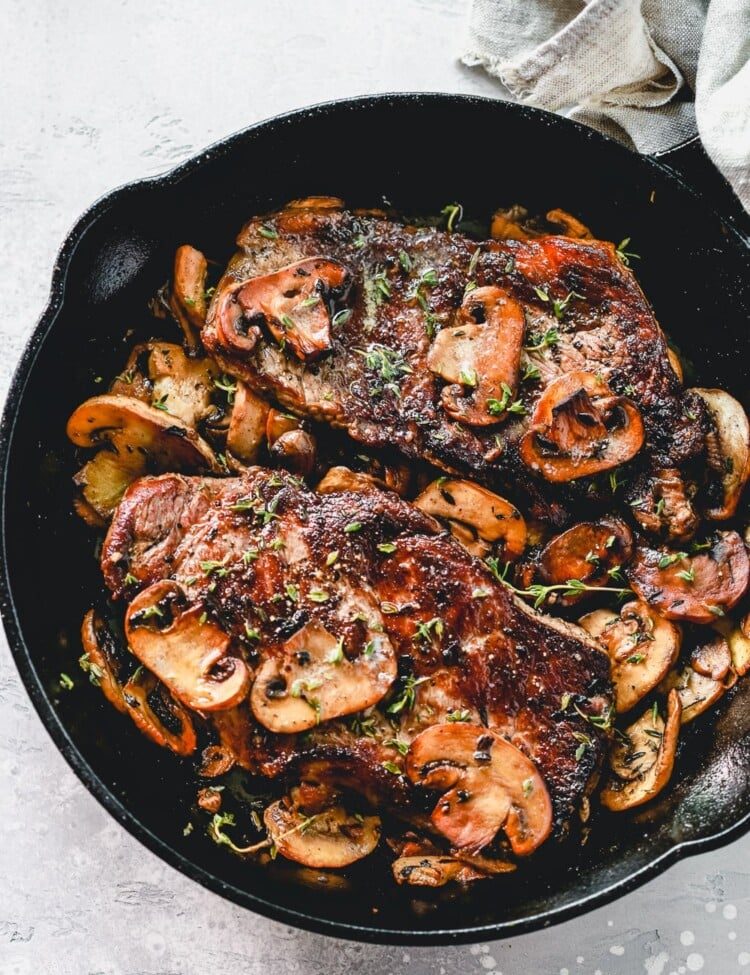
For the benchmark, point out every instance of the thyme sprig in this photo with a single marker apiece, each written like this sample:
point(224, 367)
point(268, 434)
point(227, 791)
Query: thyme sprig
point(540, 593)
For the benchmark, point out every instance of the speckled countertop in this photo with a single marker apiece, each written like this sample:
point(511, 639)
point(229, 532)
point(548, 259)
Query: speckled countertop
point(95, 94)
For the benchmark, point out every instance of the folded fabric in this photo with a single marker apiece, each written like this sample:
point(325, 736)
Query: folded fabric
point(647, 72)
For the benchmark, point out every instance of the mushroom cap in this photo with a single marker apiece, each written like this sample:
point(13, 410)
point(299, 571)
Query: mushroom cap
point(327, 840)
point(475, 514)
point(641, 646)
point(313, 680)
point(247, 425)
point(294, 303)
point(579, 428)
point(641, 761)
point(130, 425)
point(695, 587)
point(187, 652)
point(488, 785)
point(730, 456)
point(480, 356)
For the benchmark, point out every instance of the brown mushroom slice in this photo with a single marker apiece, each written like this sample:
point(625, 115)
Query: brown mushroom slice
point(433, 871)
point(479, 357)
point(294, 302)
point(103, 480)
point(188, 298)
point(295, 451)
point(511, 224)
point(278, 423)
point(247, 425)
point(641, 760)
point(591, 552)
point(187, 652)
point(343, 479)
point(313, 679)
point(674, 361)
point(696, 587)
point(157, 714)
point(641, 646)
point(182, 386)
point(329, 839)
point(738, 639)
point(132, 426)
point(571, 226)
point(476, 516)
point(697, 688)
point(99, 650)
point(579, 428)
point(728, 449)
point(662, 504)
point(487, 784)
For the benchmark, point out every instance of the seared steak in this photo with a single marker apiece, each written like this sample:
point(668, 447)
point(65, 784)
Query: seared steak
point(442, 347)
point(418, 628)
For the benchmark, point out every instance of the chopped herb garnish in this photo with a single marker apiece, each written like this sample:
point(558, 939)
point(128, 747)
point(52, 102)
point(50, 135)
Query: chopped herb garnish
point(310, 301)
point(401, 746)
point(318, 596)
point(407, 696)
point(381, 283)
point(249, 555)
point(161, 403)
point(251, 633)
point(392, 767)
point(458, 715)
point(387, 547)
point(389, 364)
point(527, 786)
point(353, 526)
point(424, 631)
point(636, 658)
point(227, 385)
point(292, 591)
point(66, 682)
point(94, 671)
point(479, 593)
point(530, 373)
point(341, 317)
point(130, 579)
point(454, 213)
point(688, 575)
point(473, 261)
point(716, 610)
point(497, 406)
point(550, 337)
point(560, 307)
point(336, 655)
point(268, 232)
point(624, 255)
point(404, 260)
point(469, 377)
point(331, 559)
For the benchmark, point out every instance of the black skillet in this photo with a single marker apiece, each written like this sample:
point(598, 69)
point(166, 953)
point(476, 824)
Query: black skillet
point(419, 152)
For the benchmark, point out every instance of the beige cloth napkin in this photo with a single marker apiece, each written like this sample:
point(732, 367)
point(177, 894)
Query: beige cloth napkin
point(647, 72)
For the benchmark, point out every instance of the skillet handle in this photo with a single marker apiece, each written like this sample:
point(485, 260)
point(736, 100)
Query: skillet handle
point(691, 164)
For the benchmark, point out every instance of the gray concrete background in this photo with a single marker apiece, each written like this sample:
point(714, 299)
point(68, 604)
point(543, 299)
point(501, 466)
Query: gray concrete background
point(94, 94)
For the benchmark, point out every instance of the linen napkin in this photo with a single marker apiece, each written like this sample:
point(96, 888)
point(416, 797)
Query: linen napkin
point(650, 73)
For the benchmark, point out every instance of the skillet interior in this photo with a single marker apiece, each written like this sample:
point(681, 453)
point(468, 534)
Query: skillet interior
point(419, 152)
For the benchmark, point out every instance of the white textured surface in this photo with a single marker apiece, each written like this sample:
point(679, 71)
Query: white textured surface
point(95, 94)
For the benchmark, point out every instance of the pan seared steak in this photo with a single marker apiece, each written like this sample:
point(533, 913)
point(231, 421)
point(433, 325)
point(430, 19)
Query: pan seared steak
point(361, 624)
point(456, 351)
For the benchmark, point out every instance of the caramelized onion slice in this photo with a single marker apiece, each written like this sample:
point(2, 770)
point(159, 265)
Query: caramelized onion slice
point(294, 302)
point(695, 586)
point(641, 646)
point(642, 760)
point(477, 517)
point(186, 651)
point(487, 785)
point(329, 839)
point(579, 428)
point(479, 357)
point(313, 680)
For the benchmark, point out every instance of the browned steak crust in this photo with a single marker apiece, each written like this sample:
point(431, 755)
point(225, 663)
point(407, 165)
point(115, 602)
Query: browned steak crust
point(255, 553)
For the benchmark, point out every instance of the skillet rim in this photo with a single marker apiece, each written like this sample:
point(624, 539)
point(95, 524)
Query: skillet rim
point(23, 658)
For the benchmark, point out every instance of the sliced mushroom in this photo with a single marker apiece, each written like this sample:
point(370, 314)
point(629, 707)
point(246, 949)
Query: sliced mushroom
point(342, 479)
point(295, 303)
point(487, 785)
point(157, 714)
point(641, 646)
point(642, 759)
point(579, 427)
point(478, 518)
point(247, 425)
point(183, 386)
point(738, 638)
point(662, 505)
point(674, 361)
point(511, 224)
point(571, 226)
point(295, 451)
point(433, 871)
point(329, 839)
point(704, 679)
point(101, 651)
point(314, 680)
point(131, 426)
point(188, 298)
point(728, 449)
point(186, 651)
point(316, 203)
point(278, 423)
point(697, 587)
point(479, 357)
point(215, 761)
point(591, 552)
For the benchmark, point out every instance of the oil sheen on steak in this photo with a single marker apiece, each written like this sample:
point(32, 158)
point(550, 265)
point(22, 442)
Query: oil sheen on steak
point(530, 677)
point(406, 285)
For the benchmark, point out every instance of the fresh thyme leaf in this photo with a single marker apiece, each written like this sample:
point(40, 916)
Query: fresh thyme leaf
point(624, 255)
point(318, 596)
point(401, 746)
point(268, 232)
point(407, 697)
point(331, 558)
point(66, 682)
point(387, 547)
point(227, 385)
point(161, 403)
point(458, 715)
point(404, 260)
point(550, 337)
point(392, 767)
point(453, 213)
point(341, 317)
point(380, 281)
point(353, 526)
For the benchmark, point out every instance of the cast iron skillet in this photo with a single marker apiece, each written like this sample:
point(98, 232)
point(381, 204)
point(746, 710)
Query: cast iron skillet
point(419, 152)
